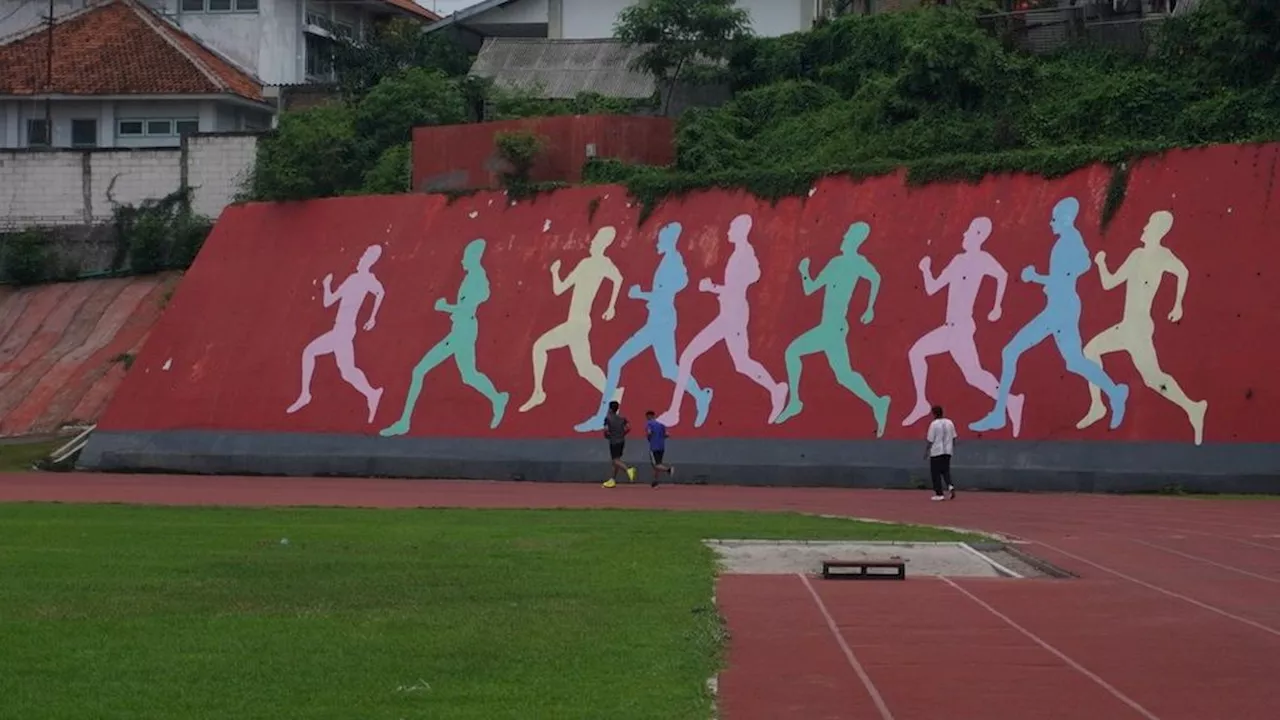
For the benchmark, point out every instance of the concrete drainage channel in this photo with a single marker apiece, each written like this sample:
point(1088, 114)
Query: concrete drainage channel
point(942, 559)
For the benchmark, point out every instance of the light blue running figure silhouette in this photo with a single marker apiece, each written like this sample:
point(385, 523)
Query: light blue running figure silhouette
point(1068, 260)
point(658, 333)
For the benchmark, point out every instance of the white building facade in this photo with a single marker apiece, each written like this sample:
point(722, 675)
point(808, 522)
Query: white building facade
point(595, 19)
point(269, 39)
point(143, 73)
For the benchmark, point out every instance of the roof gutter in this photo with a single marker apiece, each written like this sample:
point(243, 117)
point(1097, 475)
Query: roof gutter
point(219, 97)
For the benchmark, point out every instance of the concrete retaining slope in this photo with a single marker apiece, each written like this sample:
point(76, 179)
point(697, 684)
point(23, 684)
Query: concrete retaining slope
point(808, 336)
point(64, 347)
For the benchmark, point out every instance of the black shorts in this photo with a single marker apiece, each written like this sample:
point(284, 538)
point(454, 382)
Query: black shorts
point(616, 448)
point(657, 455)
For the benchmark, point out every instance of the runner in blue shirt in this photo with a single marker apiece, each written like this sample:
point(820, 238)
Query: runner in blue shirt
point(656, 432)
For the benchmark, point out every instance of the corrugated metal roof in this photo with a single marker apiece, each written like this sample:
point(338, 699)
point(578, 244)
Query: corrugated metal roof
point(563, 68)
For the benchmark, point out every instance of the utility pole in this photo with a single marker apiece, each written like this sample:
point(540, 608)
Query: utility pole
point(48, 83)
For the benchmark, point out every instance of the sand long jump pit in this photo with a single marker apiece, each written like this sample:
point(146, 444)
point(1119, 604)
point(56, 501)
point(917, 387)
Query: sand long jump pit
point(921, 559)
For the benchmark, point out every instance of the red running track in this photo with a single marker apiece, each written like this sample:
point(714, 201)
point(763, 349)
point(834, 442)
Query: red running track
point(1175, 615)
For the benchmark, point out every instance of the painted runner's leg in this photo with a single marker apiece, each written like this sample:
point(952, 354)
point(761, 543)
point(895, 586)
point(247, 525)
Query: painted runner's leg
point(320, 346)
point(553, 339)
point(465, 358)
point(630, 349)
point(1032, 334)
point(664, 350)
point(965, 354)
point(1106, 342)
point(807, 343)
point(436, 355)
point(1148, 365)
point(1069, 345)
point(853, 381)
point(702, 342)
point(740, 350)
point(934, 342)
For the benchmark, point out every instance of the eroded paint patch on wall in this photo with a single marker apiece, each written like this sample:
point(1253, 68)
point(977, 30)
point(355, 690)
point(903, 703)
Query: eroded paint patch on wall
point(732, 317)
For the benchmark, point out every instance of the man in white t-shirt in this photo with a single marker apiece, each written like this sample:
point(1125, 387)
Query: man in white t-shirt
point(941, 440)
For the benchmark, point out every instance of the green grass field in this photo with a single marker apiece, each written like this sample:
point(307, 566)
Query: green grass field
point(135, 612)
point(18, 456)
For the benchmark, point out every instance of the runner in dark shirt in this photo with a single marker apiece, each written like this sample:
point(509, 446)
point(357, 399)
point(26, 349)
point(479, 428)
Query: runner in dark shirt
point(656, 433)
point(616, 428)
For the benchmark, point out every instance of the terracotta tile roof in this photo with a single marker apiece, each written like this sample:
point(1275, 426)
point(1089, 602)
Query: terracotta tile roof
point(118, 47)
point(416, 9)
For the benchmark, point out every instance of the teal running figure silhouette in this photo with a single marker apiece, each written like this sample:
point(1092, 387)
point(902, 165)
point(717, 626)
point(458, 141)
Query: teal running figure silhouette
point(459, 344)
point(831, 336)
point(658, 333)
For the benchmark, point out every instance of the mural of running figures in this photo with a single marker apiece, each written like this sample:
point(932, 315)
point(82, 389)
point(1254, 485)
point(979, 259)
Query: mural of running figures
point(843, 315)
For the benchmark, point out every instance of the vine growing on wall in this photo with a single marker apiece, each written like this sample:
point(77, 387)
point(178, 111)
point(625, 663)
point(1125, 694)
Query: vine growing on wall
point(159, 234)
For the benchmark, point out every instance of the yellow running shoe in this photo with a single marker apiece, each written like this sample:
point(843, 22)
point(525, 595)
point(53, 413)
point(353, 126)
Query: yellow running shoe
point(609, 483)
point(631, 474)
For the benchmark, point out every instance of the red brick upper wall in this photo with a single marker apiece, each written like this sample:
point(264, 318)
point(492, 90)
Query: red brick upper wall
point(458, 157)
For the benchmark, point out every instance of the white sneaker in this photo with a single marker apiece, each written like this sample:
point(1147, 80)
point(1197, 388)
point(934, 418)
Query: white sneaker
point(938, 497)
point(951, 492)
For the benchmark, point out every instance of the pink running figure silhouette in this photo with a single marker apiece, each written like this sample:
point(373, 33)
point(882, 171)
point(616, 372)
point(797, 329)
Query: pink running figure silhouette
point(340, 341)
point(730, 325)
point(964, 276)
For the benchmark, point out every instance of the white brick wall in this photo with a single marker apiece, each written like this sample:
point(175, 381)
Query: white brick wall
point(217, 167)
point(50, 187)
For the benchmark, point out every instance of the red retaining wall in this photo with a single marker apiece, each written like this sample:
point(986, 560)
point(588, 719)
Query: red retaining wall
point(227, 354)
point(457, 157)
point(62, 347)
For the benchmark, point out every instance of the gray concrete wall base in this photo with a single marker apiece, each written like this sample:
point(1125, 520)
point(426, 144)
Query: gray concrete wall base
point(979, 464)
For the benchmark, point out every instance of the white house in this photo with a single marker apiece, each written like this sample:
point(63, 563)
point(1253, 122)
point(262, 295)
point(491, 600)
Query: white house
point(141, 73)
point(594, 19)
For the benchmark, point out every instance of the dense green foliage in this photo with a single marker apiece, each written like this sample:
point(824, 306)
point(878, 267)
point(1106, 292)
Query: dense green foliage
point(200, 613)
point(936, 91)
point(158, 234)
point(356, 147)
point(25, 256)
point(940, 91)
point(399, 80)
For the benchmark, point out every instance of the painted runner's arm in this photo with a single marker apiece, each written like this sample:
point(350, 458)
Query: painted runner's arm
point(1111, 280)
point(995, 270)
point(873, 277)
point(807, 282)
point(1029, 275)
point(1179, 271)
point(614, 276)
point(378, 292)
point(559, 285)
point(933, 284)
point(330, 297)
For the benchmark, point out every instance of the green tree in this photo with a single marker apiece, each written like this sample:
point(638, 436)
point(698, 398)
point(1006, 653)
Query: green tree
point(393, 47)
point(680, 34)
point(399, 103)
point(311, 154)
point(1233, 42)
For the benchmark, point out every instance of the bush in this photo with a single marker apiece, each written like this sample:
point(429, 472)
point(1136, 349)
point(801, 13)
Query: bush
point(311, 154)
point(393, 173)
point(520, 149)
point(27, 258)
